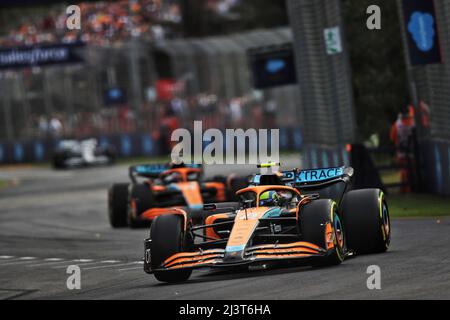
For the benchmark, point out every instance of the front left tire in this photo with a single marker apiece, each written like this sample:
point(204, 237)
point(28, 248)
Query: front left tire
point(141, 200)
point(118, 205)
point(367, 221)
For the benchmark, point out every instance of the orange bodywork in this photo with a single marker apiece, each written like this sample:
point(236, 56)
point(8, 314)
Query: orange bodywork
point(210, 233)
point(191, 193)
point(221, 195)
point(329, 236)
point(192, 257)
point(214, 257)
point(156, 212)
point(158, 188)
point(245, 223)
point(184, 172)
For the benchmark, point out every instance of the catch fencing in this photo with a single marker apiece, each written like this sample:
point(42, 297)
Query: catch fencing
point(75, 94)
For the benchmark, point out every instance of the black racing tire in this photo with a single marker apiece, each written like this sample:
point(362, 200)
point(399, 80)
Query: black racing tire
point(314, 217)
point(118, 205)
point(111, 153)
point(234, 185)
point(367, 222)
point(143, 198)
point(59, 160)
point(221, 179)
point(168, 238)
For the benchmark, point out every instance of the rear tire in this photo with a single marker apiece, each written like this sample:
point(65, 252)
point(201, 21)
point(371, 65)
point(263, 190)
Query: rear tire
point(168, 238)
point(366, 219)
point(59, 160)
point(234, 185)
point(314, 217)
point(118, 205)
point(111, 153)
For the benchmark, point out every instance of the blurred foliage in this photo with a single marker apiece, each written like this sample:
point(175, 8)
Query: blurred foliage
point(262, 14)
point(418, 206)
point(247, 15)
point(378, 66)
point(377, 57)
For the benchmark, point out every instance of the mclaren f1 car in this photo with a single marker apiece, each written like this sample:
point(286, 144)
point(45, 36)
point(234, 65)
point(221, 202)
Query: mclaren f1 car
point(280, 217)
point(155, 188)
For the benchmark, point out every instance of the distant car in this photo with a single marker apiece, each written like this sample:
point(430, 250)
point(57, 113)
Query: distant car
point(279, 218)
point(74, 153)
point(156, 187)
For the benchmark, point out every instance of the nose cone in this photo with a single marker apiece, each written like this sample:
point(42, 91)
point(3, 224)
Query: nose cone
point(234, 254)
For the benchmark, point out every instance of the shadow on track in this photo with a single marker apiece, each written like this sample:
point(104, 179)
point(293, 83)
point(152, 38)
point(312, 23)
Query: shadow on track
point(224, 275)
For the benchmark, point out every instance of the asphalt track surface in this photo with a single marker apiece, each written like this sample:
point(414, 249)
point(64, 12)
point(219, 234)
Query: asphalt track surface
point(53, 219)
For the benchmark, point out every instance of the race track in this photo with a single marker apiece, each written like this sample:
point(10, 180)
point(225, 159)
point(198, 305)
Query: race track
point(54, 219)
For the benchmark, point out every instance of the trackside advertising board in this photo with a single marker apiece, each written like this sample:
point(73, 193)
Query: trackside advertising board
point(421, 32)
point(33, 56)
point(273, 67)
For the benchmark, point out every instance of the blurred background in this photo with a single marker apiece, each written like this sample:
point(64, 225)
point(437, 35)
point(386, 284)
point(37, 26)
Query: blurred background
point(138, 69)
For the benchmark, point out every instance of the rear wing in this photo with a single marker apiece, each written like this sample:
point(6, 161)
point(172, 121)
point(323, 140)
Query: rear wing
point(153, 171)
point(313, 178)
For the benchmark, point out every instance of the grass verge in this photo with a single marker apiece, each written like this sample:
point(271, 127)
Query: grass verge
point(418, 206)
point(3, 184)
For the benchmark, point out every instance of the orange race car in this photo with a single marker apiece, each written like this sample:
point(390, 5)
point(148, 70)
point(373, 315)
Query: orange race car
point(137, 203)
point(280, 217)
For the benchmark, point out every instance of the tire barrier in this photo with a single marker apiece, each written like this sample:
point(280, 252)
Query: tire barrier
point(436, 166)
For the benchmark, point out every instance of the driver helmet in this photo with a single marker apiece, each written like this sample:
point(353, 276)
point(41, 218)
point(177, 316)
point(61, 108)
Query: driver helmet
point(268, 199)
point(172, 178)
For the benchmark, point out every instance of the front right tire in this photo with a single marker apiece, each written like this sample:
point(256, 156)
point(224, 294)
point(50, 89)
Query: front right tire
point(314, 218)
point(168, 238)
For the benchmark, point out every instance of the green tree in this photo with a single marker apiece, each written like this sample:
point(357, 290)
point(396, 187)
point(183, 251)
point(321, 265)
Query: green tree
point(378, 66)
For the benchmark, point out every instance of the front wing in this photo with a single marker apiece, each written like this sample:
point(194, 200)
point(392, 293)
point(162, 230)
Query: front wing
point(220, 258)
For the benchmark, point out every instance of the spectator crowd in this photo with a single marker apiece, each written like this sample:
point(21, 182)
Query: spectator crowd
point(102, 23)
point(239, 112)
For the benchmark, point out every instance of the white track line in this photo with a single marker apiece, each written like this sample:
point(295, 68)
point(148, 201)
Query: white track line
point(8, 261)
point(60, 263)
point(78, 263)
point(64, 263)
point(52, 263)
point(111, 261)
point(110, 266)
point(83, 264)
point(23, 260)
point(134, 268)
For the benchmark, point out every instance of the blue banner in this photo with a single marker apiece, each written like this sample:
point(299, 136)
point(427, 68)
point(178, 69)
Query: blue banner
point(421, 32)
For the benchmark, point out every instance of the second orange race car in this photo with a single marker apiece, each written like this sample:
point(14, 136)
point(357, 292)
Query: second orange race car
point(154, 188)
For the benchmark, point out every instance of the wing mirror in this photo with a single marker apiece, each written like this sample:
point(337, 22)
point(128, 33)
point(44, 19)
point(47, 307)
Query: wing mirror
point(248, 203)
point(209, 207)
